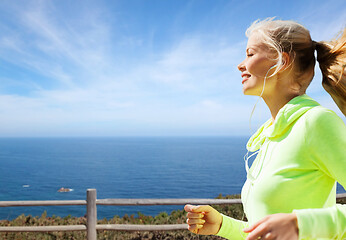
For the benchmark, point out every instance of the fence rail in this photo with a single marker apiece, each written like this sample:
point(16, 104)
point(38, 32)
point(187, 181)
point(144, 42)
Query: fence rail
point(121, 202)
point(42, 203)
point(91, 202)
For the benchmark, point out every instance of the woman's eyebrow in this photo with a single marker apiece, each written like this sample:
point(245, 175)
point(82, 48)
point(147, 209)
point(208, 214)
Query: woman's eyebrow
point(253, 47)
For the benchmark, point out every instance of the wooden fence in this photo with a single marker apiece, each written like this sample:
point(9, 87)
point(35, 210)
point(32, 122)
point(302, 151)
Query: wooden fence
point(91, 202)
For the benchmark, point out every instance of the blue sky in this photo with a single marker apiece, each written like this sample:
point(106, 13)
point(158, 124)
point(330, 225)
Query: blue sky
point(138, 68)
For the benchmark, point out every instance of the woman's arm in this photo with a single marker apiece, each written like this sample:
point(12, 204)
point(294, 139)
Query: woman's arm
point(322, 223)
point(206, 220)
point(327, 144)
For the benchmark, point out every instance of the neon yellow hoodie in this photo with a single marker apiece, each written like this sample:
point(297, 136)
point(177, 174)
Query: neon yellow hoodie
point(301, 156)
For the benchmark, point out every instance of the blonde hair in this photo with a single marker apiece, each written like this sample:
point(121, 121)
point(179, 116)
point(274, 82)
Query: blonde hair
point(294, 39)
point(332, 59)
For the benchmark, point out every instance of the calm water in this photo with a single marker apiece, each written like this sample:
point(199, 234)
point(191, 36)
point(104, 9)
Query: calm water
point(158, 167)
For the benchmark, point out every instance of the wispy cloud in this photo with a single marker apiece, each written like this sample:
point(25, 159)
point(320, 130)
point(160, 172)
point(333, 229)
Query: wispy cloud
point(195, 63)
point(91, 72)
point(50, 45)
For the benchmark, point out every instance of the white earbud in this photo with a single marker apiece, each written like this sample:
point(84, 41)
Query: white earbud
point(273, 66)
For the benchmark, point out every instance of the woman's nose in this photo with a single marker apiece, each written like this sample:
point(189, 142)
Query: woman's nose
point(241, 66)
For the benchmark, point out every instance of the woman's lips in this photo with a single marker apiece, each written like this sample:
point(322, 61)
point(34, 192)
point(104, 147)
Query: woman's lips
point(245, 77)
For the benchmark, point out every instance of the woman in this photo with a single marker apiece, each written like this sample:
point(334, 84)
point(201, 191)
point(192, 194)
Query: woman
point(291, 186)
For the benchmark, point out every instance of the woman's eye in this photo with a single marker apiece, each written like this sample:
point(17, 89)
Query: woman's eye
point(249, 54)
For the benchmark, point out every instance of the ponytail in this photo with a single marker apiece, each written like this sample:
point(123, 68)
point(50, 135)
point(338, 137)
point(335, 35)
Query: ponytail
point(332, 60)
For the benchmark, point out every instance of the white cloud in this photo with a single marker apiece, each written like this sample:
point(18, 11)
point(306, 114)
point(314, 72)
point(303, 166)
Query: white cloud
point(87, 76)
point(194, 67)
point(198, 62)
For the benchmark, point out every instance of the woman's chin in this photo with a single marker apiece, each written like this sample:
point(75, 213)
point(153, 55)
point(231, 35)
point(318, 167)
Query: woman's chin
point(250, 92)
point(246, 90)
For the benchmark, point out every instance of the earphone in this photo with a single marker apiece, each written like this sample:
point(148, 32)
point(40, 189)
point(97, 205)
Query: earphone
point(264, 83)
point(247, 169)
point(246, 156)
point(275, 65)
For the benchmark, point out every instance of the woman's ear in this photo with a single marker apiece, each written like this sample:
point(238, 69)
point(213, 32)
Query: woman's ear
point(286, 61)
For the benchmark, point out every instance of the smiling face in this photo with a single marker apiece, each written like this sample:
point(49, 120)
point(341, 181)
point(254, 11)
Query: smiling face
point(257, 64)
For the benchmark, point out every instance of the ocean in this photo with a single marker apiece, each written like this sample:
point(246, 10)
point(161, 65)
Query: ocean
point(124, 167)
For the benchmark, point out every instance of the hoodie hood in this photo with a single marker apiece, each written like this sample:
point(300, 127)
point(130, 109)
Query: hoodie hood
point(287, 115)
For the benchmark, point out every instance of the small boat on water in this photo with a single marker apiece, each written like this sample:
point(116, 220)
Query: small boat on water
point(65, 189)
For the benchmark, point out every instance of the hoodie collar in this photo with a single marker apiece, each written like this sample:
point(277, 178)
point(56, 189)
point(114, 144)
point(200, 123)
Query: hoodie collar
point(287, 115)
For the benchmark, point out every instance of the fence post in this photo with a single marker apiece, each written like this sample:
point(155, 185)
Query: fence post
point(91, 214)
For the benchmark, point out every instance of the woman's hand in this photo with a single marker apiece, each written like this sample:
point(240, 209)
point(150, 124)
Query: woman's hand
point(203, 219)
point(281, 226)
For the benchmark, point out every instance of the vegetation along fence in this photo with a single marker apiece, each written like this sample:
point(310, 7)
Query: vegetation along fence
point(91, 201)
